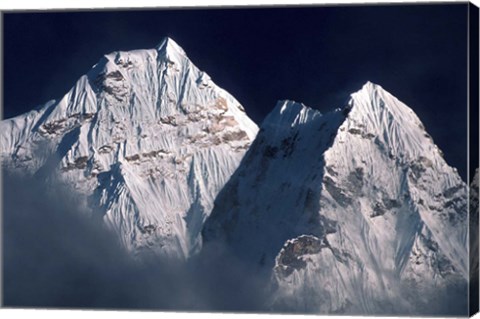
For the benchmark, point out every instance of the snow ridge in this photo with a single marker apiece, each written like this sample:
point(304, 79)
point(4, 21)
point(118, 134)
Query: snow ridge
point(353, 211)
point(147, 136)
point(356, 210)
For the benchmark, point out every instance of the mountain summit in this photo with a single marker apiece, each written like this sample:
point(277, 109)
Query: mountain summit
point(169, 45)
point(355, 211)
point(147, 137)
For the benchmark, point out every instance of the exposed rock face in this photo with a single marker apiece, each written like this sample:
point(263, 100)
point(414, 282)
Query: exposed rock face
point(147, 136)
point(354, 211)
point(370, 217)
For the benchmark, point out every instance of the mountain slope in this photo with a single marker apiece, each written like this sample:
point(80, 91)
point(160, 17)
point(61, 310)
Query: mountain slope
point(356, 210)
point(473, 243)
point(146, 136)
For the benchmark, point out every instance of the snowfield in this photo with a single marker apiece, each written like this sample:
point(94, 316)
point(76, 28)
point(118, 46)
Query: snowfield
point(353, 211)
point(356, 210)
point(147, 136)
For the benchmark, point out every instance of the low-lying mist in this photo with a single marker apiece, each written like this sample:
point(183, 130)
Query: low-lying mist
point(56, 256)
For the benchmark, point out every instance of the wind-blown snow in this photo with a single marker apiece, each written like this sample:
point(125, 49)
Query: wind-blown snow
point(147, 136)
point(353, 211)
point(356, 210)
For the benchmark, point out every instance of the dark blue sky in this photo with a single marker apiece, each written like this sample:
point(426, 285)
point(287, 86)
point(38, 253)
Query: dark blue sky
point(315, 55)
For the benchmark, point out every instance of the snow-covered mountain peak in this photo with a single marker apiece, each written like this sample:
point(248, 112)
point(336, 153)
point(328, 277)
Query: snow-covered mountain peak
point(375, 98)
point(370, 86)
point(289, 106)
point(147, 136)
point(355, 202)
point(288, 114)
point(372, 100)
point(375, 114)
point(475, 179)
point(168, 45)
